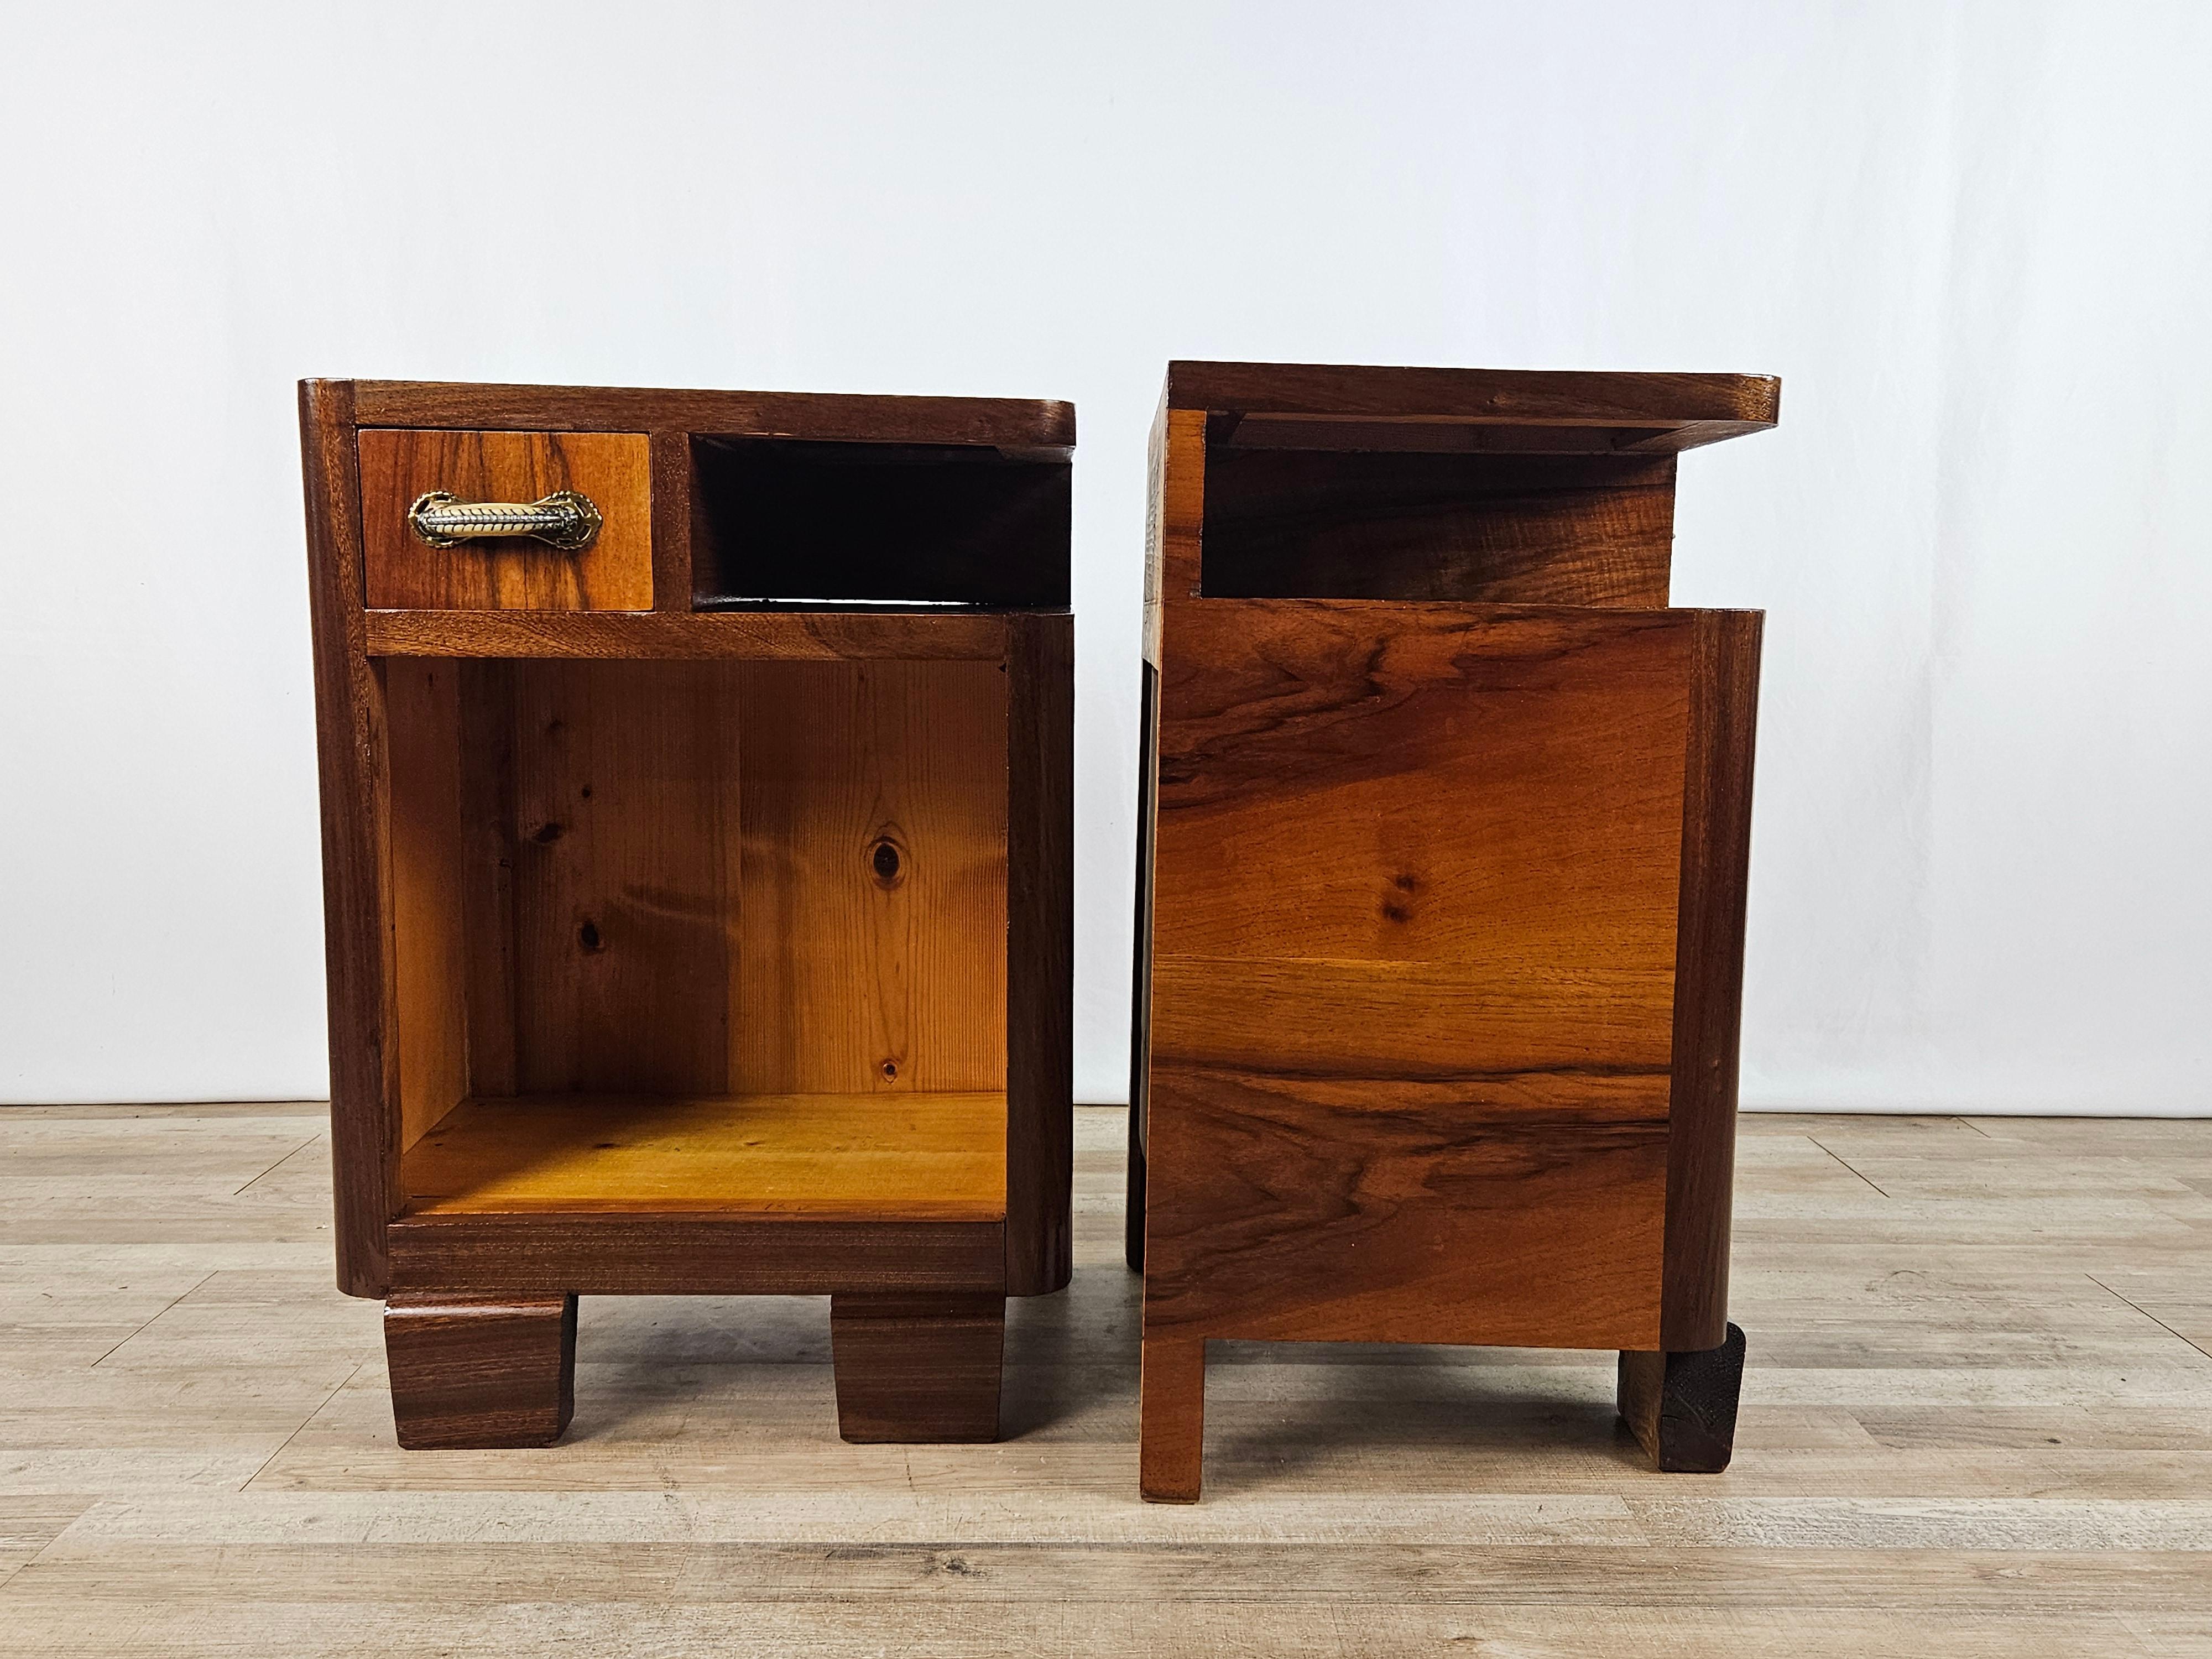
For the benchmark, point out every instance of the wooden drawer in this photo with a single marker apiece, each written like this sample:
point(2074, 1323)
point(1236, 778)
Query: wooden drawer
point(614, 571)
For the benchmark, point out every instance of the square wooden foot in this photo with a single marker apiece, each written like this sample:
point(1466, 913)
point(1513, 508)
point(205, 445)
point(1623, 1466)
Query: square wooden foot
point(913, 1369)
point(1172, 1418)
point(473, 1370)
point(1683, 1406)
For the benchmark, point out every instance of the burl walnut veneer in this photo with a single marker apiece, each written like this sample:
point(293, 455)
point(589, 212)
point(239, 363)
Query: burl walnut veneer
point(696, 859)
point(1443, 832)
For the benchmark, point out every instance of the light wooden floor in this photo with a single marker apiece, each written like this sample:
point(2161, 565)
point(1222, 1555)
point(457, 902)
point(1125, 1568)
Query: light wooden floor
point(1977, 1420)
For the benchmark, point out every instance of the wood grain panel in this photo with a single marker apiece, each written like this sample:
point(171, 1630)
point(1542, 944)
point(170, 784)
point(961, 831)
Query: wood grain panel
point(722, 877)
point(1417, 874)
point(431, 962)
point(924, 1156)
point(873, 812)
point(507, 573)
point(1507, 1035)
point(1276, 1216)
point(625, 878)
point(1403, 801)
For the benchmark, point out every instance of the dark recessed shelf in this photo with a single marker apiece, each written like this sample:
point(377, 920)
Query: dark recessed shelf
point(780, 521)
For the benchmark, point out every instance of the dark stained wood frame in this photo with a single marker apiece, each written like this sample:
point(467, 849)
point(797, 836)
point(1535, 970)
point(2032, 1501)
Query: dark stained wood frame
point(446, 1265)
point(1208, 406)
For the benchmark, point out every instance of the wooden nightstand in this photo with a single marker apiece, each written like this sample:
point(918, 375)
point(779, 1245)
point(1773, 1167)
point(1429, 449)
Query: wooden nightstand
point(1442, 842)
point(697, 851)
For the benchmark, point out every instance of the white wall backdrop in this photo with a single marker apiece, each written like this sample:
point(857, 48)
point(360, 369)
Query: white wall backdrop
point(1975, 240)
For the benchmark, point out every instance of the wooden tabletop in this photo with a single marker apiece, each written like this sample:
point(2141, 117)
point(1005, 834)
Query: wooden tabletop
point(1633, 410)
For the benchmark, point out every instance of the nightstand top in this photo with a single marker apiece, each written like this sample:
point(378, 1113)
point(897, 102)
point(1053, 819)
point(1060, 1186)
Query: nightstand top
point(1325, 406)
point(1016, 423)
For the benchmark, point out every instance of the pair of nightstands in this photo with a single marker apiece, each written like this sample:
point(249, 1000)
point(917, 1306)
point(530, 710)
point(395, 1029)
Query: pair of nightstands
point(696, 773)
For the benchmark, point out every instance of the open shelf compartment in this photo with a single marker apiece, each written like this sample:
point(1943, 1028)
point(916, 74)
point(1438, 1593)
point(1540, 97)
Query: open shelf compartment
point(782, 522)
point(684, 936)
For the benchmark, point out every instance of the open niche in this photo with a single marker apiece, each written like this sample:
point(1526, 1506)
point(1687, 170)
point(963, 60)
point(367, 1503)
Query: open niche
point(1406, 511)
point(681, 936)
point(782, 522)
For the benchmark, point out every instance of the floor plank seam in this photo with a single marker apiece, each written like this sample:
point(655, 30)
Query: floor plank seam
point(2149, 1315)
point(322, 1406)
point(140, 1330)
point(1846, 1163)
point(310, 1141)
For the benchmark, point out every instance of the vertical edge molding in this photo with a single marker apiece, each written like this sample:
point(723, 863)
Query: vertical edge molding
point(1040, 949)
point(672, 520)
point(1174, 516)
point(349, 741)
point(1709, 979)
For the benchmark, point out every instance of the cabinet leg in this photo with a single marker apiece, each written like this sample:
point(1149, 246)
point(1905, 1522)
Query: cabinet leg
point(472, 1370)
point(1133, 1241)
point(917, 1368)
point(1172, 1418)
point(1683, 1406)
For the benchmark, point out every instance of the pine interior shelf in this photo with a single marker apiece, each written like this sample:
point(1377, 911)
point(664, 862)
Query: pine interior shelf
point(918, 1158)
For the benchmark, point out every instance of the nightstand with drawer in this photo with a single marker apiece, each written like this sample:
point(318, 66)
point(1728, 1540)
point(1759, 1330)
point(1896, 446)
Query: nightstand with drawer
point(695, 778)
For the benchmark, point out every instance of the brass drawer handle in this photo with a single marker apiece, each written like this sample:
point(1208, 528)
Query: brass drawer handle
point(564, 519)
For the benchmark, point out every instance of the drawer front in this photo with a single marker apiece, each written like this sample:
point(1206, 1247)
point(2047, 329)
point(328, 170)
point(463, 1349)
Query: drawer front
point(612, 469)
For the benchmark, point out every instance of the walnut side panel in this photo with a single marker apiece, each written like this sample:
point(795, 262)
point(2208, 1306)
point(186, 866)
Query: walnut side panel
point(1402, 796)
point(356, 897)
point(1039, 1056)
point(1414, 971)
point(1709, 977)
point(1272, 1216)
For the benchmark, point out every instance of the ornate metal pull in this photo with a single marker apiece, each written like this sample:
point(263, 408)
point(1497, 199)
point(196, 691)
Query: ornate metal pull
point(564, 519)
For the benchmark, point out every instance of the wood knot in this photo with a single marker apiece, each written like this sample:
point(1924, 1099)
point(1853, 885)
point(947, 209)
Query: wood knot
point(588, 937)
point(887, 862)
